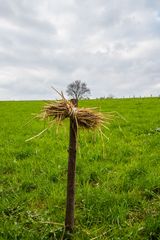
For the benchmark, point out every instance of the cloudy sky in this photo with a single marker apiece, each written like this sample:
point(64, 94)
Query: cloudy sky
point(112, 45)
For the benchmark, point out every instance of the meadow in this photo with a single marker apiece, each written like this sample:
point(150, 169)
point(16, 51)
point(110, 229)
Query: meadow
point(117, 180)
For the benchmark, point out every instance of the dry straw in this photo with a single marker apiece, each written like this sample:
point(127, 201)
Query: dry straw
point(86, 118)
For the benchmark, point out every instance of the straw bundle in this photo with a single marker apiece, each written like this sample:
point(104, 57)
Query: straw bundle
point(58, 110)
point(87, 118)
point(84, 117)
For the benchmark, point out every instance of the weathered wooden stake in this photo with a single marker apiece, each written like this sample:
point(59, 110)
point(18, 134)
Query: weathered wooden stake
point(70, 203)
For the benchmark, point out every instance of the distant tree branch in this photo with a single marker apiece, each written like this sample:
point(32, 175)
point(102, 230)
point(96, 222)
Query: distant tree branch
point(78, 89)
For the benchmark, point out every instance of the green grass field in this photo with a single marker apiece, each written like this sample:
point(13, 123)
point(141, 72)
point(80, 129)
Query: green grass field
point(117, 181)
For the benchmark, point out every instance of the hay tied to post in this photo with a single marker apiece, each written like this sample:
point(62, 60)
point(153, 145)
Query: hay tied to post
point(86, 118)
point(62, 109)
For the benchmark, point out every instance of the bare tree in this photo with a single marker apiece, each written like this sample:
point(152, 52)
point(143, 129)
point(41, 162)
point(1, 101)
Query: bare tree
point(77, 89)
point(111, 96)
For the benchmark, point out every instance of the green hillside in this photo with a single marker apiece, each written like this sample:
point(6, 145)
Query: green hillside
point(117, 181)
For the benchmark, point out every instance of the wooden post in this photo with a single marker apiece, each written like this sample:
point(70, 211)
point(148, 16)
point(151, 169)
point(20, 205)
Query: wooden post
point(70, 203)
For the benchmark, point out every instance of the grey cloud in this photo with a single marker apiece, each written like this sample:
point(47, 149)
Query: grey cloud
point(24, 16)
point(112, 45)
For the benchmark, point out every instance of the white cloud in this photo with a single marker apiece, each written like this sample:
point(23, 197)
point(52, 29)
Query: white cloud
point(112, 45)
